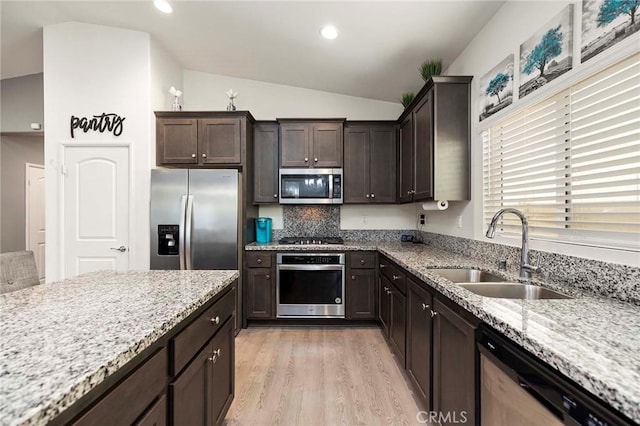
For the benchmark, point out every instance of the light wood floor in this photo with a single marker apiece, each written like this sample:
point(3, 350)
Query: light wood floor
point(318, 376)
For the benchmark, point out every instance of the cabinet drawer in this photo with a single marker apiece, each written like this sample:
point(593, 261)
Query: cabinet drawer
point(195, 335)
point(363, 260)
point(259, 260)
point(398, 279)
point(129, 399)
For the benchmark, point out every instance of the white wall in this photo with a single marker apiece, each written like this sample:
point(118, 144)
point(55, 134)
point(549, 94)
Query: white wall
point(22, 103)
point(90, 69)
point(268, 101)
point(514, 23)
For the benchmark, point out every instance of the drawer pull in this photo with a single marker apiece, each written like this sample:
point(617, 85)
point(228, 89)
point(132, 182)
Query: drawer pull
point(433, 313)
point(362, 262)
point(396, 278)
point(373, 195)
point(215, 320)
point(259, 261)
point(388, 292)
point(204, 155)
point(353, 277)
point(386, 289)
point(268, 277)
point(193, 156)
point(424, 306)
point(382, 265)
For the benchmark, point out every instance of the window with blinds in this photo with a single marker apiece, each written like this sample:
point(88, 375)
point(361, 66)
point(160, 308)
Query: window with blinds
point(571, 163)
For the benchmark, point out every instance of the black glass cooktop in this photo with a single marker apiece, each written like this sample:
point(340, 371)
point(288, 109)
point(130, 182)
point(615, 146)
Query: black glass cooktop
point(311, 240)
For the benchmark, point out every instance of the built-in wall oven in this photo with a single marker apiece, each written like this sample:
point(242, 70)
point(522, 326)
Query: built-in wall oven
point(310, 285)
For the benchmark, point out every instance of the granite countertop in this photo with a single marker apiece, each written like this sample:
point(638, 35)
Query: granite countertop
point(593, 340)
point(60, 340)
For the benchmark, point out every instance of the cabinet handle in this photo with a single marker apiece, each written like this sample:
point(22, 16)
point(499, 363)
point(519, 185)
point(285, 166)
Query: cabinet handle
point(306, 159)
point(268, 277)
point(389, 292)
point(315, 159)
point(367, 195)
point(353, 277)
point(204, 155)
point(408, 192)
point(373, 195)
point(215, 320)
point(275, 195)
point(214, 356)
point(396, 278)
point(193, 156)
point(433, 313)
point(382, 265)
point(362, 261)
point(259, 261)
point(424, 306)
point(386, 289)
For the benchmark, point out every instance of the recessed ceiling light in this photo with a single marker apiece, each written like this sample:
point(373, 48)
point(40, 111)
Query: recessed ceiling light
point(329, 32)
point(163, 6)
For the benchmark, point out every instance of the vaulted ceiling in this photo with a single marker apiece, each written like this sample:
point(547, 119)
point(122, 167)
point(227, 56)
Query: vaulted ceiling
point(377, 54)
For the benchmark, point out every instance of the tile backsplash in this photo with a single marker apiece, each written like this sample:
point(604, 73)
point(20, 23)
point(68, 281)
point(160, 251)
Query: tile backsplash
point(324, 221)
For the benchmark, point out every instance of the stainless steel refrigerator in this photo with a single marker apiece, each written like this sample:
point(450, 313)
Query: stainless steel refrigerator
point(194, 219)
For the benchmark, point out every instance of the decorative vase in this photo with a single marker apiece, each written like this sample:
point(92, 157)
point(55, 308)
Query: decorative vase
point(176, 105)
point(231, 106)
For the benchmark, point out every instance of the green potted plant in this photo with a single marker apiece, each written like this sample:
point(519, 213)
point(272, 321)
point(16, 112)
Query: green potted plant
point(430, 67)
point(407, 98)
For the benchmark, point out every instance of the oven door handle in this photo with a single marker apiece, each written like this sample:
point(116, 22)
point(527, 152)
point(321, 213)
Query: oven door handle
point(311, 267)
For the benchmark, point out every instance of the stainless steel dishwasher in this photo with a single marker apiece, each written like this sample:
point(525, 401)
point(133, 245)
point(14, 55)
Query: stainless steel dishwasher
point(518, 389)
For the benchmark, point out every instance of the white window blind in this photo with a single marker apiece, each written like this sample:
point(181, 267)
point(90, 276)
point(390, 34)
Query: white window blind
point(571, 163)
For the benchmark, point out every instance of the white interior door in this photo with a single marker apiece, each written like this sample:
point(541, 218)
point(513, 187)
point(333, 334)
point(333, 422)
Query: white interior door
point(34, 209)
point(95, 209)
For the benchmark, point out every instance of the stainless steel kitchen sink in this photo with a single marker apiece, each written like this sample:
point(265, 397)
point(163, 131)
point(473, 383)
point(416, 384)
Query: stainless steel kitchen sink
point(507, 290)
point(466, 275)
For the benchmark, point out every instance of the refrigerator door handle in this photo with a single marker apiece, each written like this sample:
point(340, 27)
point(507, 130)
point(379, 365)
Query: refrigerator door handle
point(188, 230)
point(183, 210)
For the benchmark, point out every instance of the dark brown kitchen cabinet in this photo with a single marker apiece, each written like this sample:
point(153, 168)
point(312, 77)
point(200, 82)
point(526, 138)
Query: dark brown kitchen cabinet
point(370, 154)
point(434, 158)
point(156, 415)
point(453, 362)
point(316, 143)
point(419, 323)
point(202, 394)
point(265, 163)
point(392, 312)
point(361, 286)
point(260, 286)
point(207, 139)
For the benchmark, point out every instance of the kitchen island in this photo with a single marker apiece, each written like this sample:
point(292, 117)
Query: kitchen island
point(590, 339)
point(64, 343)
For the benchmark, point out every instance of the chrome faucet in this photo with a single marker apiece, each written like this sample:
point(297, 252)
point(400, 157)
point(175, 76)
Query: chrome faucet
point(525, 268)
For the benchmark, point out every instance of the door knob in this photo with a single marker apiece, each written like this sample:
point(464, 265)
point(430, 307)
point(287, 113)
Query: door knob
point(215, 320)
point(121, 249)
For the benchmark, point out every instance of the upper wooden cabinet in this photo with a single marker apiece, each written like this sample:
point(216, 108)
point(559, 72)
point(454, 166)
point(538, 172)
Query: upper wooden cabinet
point(311, 143)
point(265, 162)
point(202, 138)
point(370, 157)
point(435, 142)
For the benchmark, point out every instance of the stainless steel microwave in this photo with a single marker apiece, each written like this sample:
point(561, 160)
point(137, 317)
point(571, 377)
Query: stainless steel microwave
point(310, 186)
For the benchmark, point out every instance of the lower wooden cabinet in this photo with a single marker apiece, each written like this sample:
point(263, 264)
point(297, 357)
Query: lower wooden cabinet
point(435, 338)
point(202, 394)
point(397, 328)
point(419, 305)
point(361, 289)
point(453, 363)
point(156, 415)
point(384, 311)
point(260, 286)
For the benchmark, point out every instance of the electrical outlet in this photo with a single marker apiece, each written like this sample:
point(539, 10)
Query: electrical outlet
point(421, 219)
point(364, 218)
point(459, 222)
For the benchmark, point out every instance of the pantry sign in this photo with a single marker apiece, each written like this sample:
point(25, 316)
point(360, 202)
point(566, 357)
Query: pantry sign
point(105, 122)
